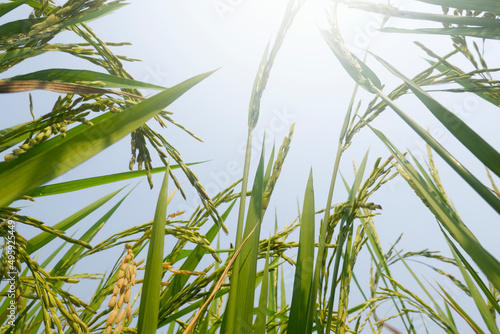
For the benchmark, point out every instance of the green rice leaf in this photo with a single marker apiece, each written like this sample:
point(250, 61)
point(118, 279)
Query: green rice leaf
point(489, 33)
point(260, 320)
point(44, 238)
point(73, 255)
point(300, 319)
point(89, 16)
point(69, 186)
point(16, 27)
point(470, 139)
point(467, 176)
point(457, 229)
point(474, 275)
point(89, 78)
point(478, 299)
point(150, 297)
point(481, 5)
point(9, 6)
point(345, 220)
point(56, 156)
point(238, 317)
point(449, 299)
point(451, 19)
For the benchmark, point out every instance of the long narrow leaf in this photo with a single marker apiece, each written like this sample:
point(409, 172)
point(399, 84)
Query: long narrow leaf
point(55, 157)
point(482, 306)
point(470, 139)
point(260, 320)
point(65, 187)
point(44, 238)
point(239, 310)
point(457, 229)
point(303, 284)
point(91, 78)
point(150, 298)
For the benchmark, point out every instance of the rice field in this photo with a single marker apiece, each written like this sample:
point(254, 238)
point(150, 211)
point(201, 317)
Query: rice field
point(319, 264)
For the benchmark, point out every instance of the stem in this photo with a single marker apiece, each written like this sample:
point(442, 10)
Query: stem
point(243, 194)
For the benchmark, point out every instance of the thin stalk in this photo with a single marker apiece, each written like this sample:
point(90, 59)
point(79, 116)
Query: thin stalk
point(326, 218)
point(244, 185)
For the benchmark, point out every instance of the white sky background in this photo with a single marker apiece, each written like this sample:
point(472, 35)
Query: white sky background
point(180, 39)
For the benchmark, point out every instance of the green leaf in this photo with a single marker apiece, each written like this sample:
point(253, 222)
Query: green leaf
point(44, 238)
point(89, 78)
point(89, 16)
point(17, 27)
point(467, 176)
point(56, 156)
point(489, 33)
point(449, 220)
point(65, 187)
point(345, 220)
point(300, 319)
point(481, 5)
point(452, 19)
point(474, 275)
point(478, 299)
point(150, 297)
point(260, 320)
point(449, 299)
point(358, 70)
point(73, 255)
point(239, 309)
point(190, 264)
point(9, 6)
point(477, 87)
point(470, 139)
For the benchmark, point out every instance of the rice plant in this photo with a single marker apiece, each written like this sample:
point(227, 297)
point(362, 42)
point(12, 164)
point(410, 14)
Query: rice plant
point(200, 285)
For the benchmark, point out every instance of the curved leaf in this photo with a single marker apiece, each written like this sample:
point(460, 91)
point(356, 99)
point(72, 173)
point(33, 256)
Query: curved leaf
point(91, 78)
point(56, 156)
point(470, 139)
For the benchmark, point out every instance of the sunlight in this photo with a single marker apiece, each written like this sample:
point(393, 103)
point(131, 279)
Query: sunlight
point(271, 13)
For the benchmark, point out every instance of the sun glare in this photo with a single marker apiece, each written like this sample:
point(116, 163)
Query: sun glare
point(271, 12)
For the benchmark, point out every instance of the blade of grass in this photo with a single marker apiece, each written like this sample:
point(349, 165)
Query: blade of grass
point(303, 284)
point(480, 32)
point(466, 175)
point(470, 139)
point(448, 299)
point(342, 237)
point(150, 298)
point(457, 229)
point(481, 5)
point(44, 238)
point(217, 287)
point(91, 78)
point(489, 320)
point(65, 187)
point(55, 156)
point(259, 326)
point(239, 309)
point(74, 253)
